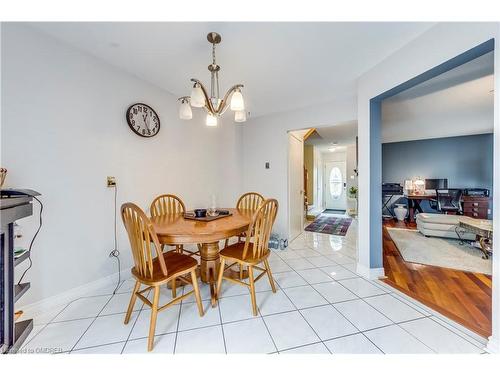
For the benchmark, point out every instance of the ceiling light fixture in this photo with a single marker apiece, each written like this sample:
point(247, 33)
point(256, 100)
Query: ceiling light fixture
point(213, 104)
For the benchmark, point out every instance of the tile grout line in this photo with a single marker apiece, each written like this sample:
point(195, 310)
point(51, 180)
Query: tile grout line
point(95, 318)
point(394, 323)
point(222, 328)
point(432, 315)
point(360, 298)
point(135, 322)
point(309, 324)
point(178, 322)
point(363, 299)
point(268, 331)
point(386, 291)
point(51, 321)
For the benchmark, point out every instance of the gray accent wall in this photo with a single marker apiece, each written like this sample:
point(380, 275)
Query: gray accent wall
point(466, 161)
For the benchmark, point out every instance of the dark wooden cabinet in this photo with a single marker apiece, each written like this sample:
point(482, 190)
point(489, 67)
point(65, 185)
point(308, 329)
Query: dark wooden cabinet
point(12, 333)
point(476, 207)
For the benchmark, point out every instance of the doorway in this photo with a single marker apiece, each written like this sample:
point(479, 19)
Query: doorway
point(384, 249)
point(322, 173)
point(335, 185)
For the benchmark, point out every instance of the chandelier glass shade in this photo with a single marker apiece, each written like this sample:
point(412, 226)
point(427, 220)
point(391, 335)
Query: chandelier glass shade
point(211, 120)
point(185, 112)
point(214, 105)
point(240, 116)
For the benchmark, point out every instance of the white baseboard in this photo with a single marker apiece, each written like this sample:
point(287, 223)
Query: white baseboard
point(62, 299)
point(369, 273)
point(493, 345)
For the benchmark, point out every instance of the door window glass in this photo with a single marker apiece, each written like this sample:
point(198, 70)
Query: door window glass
point(336, 183)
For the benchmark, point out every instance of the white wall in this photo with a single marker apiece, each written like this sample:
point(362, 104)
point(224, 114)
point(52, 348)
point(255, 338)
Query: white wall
point(265, 139)
point(64, 131)
point(463, 109)
point(318, 178)
point(441, 43)
point(351, 165)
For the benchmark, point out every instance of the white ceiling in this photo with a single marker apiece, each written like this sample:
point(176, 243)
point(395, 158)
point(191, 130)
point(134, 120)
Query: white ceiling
point(342, 135)
point(283, 66)
point(458, 102)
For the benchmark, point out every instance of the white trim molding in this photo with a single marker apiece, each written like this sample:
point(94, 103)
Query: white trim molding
point(93, 288)
point(369, 273)
point(493, 345)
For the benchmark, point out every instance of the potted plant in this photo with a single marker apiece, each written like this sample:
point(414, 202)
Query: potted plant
point(353, 199)
point(353, 192)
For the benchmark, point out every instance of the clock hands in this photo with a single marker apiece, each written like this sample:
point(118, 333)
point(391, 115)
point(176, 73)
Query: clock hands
point(146, 117)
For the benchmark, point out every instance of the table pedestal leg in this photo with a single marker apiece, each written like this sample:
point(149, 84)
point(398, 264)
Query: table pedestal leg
point(209, 267)
point(485, 246)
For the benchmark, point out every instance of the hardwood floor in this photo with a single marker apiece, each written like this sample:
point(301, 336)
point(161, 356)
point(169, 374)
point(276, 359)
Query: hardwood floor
point(464, 297)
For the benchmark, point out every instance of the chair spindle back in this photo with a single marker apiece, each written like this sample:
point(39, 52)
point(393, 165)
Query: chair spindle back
point(167, 204)
point(250, 201)
point(141, 236)
point(260, 229)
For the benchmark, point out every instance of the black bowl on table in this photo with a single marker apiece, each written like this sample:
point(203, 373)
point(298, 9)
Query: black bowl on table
point(200, 212)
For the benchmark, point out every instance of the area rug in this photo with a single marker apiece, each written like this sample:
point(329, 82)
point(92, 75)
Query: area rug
point(330, 224)
point(331, 211)
point(442, 252)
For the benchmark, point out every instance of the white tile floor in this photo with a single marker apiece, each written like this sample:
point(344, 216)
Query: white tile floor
point(321, 306)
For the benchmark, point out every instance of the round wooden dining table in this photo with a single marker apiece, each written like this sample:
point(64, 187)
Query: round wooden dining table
point(178, 230)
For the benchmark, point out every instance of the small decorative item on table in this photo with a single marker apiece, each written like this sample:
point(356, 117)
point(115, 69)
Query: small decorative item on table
point(200, 212)
point(212, 211)
point(408, 187)
point(419, 186)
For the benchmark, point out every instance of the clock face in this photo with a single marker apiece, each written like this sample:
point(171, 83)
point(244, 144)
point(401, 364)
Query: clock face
point(143, 120)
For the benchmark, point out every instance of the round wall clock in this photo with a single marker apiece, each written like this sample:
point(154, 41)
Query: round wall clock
point(143, 120)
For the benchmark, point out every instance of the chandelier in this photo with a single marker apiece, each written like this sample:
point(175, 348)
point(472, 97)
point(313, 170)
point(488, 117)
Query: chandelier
point(213, 104)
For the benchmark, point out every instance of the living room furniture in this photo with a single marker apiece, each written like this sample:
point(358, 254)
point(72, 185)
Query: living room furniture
point(253, 252)
point(414, 201)
point(436, 183)
point(482, 229)
point(448, 200)
point(12, 332)
point(476, 206)
point(441, 225)
point(176, 230)
point(389, 191)
point(152, 271)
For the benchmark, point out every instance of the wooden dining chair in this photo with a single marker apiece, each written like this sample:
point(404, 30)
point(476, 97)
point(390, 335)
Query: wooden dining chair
point(248, 201)
point(253, 252)
point(169, 204)
point(155, 271)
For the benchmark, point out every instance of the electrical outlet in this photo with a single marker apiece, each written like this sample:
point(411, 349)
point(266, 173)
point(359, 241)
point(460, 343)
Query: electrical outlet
point(111, 181)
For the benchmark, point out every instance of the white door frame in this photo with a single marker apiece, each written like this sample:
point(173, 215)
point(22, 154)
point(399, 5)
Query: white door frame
point(326, 181)
point(290, 134)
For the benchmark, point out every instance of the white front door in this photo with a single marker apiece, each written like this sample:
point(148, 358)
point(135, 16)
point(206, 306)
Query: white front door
point(335, 185)
point(295, 185)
